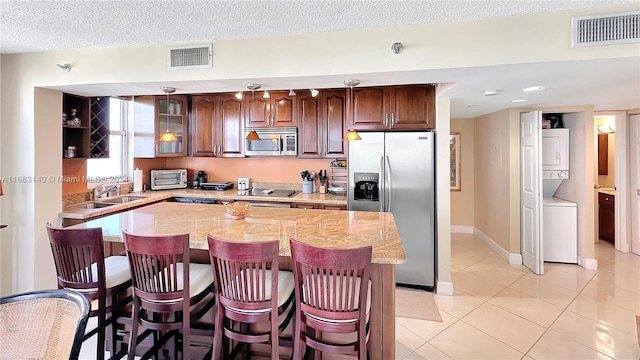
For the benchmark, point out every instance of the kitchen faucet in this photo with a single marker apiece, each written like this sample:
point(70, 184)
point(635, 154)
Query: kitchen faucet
point(97, 193)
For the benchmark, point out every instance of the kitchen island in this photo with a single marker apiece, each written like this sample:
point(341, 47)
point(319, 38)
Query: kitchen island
point(327, 228)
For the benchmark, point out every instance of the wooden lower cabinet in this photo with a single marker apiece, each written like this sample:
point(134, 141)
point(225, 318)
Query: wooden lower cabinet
point(318, 206)
point(606, 217)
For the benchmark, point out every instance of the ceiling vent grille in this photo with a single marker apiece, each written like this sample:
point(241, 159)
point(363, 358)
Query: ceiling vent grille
point(621, 28)
point(190, 57)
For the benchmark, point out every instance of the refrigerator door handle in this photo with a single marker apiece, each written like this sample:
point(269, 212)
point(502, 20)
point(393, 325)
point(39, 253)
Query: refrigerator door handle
point(381, 199)
point(387, 172)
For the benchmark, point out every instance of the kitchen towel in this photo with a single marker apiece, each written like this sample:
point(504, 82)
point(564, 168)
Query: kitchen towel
point(137, 180)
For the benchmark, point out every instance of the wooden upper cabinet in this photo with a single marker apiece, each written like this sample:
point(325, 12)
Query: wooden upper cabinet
point(153, 116)
point(283, 109)
point(412, 107)
point(216, 126)
point(229, 126)
point(202, 109)
point(370, 108)
point(401, 107)
point(310, 131)
point(322, 124)
point(334, 114)
point(277, 111)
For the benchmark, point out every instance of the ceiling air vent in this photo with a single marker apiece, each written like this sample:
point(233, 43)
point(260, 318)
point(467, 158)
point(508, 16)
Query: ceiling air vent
point(190, 57)
point(610, 29)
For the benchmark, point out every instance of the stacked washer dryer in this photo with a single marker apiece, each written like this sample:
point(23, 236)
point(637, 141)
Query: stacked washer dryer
point(560, 217)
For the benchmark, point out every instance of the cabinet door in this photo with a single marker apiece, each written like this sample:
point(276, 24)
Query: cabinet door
point(258, 111)
point(283, 109)
point(171, 115)
point(310, 139)
point(144, 127)
point(304, 206)
point(606, 216)
point(412, 107)
point(202, 122)
point(334, 115)
point(333, 207)
point(229, 126)
point(370, 108)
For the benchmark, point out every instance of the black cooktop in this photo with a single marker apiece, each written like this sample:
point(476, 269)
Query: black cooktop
point(269, 192)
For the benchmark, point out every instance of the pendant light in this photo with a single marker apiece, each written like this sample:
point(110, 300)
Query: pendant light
point(168, 135)
point(351, 133)
point(252, 135)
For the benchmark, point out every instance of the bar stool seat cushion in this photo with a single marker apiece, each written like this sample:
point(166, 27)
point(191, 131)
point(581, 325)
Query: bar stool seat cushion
point(116, 271)
point(200, 277)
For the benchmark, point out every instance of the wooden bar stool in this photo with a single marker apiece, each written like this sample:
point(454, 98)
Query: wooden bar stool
point(333, 295)
point(250, 289)
point(78, 255)
point(169, 293)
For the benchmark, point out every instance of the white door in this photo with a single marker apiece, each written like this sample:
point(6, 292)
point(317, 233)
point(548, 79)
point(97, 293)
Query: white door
point(634, 159)
point(531, 191)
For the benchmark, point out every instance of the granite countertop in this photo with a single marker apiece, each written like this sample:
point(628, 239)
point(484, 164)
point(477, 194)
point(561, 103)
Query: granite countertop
point(76, 211)
point(327, 228)
point(608, 191)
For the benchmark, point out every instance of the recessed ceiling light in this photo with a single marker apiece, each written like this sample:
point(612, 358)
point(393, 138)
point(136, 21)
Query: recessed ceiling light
point(491, 92)
point(472, 106)
point(519, 100)
point(533, 89)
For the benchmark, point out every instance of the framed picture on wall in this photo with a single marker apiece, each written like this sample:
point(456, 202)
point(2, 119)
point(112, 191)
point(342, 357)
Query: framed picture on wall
point(454, 151)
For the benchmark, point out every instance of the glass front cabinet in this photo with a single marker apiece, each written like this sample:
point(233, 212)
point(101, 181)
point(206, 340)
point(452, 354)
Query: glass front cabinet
point(155, 115)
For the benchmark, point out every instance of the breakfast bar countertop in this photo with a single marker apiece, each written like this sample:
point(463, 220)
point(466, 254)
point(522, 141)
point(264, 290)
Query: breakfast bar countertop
point(328, 228)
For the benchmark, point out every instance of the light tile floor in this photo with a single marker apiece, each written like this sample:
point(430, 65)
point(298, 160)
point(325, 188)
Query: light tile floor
point(502, 311)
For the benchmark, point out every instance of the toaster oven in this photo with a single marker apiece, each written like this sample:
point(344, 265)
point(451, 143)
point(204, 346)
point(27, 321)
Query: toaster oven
point(168, 179)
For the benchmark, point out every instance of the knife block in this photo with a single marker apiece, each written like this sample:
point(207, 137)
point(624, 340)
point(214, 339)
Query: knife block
point(322, 189)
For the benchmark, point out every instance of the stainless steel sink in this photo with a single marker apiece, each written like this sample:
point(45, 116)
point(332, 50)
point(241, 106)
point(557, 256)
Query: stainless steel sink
point(93, 205)
point(122, 199)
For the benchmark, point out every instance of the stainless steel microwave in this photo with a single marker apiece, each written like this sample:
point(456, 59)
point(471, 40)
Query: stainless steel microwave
point(273, 142)
point(168, 179)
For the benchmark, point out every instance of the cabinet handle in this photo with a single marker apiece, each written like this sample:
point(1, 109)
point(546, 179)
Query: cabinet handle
point(220, 151)
point(386, 120)
point(394, 119)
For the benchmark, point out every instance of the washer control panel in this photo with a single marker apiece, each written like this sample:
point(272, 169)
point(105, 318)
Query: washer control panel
point(555, 175)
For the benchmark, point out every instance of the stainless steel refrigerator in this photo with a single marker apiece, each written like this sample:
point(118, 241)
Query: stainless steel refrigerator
point(394, 172)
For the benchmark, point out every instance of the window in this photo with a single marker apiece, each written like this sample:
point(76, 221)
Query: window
point(113, 168)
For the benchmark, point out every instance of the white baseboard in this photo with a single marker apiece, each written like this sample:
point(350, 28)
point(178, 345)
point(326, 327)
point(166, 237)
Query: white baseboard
point(462, 229)
point(588, 263)
point(514, 259)
point(444, 288)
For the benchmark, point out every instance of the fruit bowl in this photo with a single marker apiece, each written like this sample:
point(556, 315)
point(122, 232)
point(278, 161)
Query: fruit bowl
point(238, 209)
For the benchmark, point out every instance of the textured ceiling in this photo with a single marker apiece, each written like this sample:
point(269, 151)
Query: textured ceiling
point(34, 26)
point(37, 26)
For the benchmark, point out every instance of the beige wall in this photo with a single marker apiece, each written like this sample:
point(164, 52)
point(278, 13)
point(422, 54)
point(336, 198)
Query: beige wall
point(462, 208)
point(30, 133)
point(496, 178)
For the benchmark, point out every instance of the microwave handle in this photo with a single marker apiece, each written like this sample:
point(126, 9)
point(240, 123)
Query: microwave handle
point(281, 144)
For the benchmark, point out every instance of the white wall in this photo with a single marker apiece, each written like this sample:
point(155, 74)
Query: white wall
point(30, 145)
